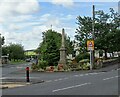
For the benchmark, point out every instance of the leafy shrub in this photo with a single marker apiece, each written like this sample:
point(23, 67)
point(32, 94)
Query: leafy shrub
point(41, 65)
point(85, 66)
point(84, 61)
point(73, 64)
point(34, 67)
point(82, 56)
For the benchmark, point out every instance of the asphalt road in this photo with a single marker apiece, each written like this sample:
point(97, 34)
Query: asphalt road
point(69, 83)
point(8, 69)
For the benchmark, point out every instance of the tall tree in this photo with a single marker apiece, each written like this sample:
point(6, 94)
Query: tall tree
point(102, 28)
point(83, 31)
point(15, 51)
point(3, 40)
point(106, 31)
point(49, 48)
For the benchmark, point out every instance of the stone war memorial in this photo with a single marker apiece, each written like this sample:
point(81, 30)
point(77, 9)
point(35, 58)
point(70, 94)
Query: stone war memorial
point(62, 61)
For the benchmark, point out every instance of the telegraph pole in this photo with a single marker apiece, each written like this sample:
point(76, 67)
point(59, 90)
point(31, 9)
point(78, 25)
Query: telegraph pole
point(0, 49)
point(93, 36)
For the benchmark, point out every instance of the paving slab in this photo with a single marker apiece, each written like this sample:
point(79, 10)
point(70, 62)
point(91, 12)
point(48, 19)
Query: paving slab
point(12, 83)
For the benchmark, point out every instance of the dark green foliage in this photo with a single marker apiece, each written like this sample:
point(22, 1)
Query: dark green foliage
point(3, 40)
point(41, 65)
point(106, 34)
point(100, 53)
point(5, 50)
point(15, 51)
point(49, 48)
point(69, 46)
point(82, 56)
point(83, 31)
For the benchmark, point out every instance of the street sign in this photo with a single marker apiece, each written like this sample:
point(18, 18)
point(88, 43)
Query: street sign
point(90, 44)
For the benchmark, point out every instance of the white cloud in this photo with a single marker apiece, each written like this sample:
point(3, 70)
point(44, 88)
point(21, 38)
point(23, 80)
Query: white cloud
point(19, 25)
point(49, 19)
point(14, 27)
point(14, 7)
point(21, 18)
point(31, 38)
point(14, 15)
point(65, 3)
point(17, 10)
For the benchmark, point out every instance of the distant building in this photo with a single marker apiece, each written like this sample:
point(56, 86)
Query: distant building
point(30, 53)
point(5, 60)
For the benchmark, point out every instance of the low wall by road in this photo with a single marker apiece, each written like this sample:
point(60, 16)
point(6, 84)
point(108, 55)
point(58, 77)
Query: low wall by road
point(110, 62)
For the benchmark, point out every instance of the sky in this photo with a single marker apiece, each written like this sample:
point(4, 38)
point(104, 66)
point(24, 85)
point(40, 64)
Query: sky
point(23, 21)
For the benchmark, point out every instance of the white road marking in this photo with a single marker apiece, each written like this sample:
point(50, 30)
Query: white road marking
point(71, 87)
point(76, 75)
point(118, 69)
point(93, 73)
point(49, 81)
point(110, 78)
point(56, 80)
point(2, 77)
point(87, 74)
point(81, 75)
point(18, 67)
point(60, 79)
point(66, 78)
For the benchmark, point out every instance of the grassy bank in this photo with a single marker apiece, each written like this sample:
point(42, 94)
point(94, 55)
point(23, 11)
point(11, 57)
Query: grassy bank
point(17, 62)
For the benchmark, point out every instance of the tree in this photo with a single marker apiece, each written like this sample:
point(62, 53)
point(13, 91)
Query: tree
point(83, 31)
point(102, 28)
point(49, 48)
point(106, 31)
point(5, 50)
point(3, 40)
point(15, 51)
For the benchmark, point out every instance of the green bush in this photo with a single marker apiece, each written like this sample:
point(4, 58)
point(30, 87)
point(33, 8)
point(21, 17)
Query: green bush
point(41, 65)
point(34, 66)
point(82, 56)
point(84, 61)
point(85, 66)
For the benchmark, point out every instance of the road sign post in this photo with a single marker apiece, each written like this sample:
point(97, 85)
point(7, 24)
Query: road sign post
point(90, 59)
point(90, 47)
